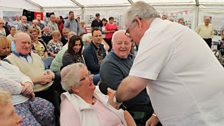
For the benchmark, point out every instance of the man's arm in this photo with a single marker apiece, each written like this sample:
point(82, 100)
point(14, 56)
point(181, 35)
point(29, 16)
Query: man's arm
point(43, 79)
point(130, 87)
point(90, 62)
point(66, 25)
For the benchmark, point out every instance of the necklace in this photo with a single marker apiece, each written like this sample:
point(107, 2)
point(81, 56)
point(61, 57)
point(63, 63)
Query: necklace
point(93, 101)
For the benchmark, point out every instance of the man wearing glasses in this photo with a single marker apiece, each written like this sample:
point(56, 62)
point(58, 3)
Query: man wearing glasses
point(182, 76)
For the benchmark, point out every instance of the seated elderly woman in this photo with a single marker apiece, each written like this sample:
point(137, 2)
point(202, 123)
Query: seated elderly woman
point(84, 105)
point(8, 115)
point(34, 111)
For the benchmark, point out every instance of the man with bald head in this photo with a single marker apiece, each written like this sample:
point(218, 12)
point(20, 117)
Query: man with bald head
point(31, 65)
point(115, 68)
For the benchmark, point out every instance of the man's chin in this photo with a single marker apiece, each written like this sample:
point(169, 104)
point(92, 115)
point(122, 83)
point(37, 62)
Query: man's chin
point(25, 53)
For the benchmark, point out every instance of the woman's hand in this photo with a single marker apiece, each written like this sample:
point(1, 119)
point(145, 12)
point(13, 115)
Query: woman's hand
point(111, 100)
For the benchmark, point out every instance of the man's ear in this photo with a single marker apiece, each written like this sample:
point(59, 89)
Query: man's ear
point(139, 22)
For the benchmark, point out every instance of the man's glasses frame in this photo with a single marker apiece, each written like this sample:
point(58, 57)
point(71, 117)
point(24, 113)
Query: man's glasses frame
point(131, 25)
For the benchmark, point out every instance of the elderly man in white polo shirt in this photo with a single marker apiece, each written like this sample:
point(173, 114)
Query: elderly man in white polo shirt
point(183, 78)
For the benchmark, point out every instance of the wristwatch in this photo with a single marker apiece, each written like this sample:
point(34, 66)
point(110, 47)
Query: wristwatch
point(115, 100)
point(154, 114)
point(121, 106)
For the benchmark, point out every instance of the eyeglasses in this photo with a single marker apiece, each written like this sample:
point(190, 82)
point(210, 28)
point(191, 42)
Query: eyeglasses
point(127, 32)
point(86, 77)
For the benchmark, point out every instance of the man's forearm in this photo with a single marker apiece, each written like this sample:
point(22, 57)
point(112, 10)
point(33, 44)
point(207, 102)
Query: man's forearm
point(130, 87)
point(125, 90)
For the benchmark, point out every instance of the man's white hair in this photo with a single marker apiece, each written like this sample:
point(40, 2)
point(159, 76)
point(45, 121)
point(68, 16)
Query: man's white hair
point(19, 34)
point(142, 10)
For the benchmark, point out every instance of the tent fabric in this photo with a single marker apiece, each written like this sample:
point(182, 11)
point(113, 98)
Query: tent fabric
point(192, 11)
point(93, 3)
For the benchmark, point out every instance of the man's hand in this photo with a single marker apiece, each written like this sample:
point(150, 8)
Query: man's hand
point(50, 73)
point(111, 100)
point(46, 77)
point(152, 121)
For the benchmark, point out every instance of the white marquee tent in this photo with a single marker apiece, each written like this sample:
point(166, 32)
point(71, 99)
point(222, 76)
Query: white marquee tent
point(192, 11)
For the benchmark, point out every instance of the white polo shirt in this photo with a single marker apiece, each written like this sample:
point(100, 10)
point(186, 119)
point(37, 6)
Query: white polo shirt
point(187, 86)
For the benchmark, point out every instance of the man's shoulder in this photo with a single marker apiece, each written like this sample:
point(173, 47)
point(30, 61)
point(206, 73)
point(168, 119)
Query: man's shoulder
point(102, 47)
point(12, 55)
point(109, 60)
point(94, 20)
point(90, 46)
point(87, 50)
point(35, 55)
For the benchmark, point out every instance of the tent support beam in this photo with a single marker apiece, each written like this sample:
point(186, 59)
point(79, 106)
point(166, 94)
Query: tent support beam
point(77, 3)
point(35, 4)
point(197, 2)
point(81, 6)
point(196, 16)
point(197, 12)
point(130, 1)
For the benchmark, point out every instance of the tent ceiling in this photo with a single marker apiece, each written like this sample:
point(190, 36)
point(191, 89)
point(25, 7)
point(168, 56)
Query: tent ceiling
point(103, 2)
point(94, 3)
point(55, 3)
point(169, 1)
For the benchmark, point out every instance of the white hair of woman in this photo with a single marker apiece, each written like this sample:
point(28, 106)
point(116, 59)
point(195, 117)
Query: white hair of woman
point(70, 76)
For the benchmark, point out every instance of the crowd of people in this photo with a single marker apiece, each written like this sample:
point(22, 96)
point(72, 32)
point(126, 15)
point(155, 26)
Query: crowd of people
point(57, 73)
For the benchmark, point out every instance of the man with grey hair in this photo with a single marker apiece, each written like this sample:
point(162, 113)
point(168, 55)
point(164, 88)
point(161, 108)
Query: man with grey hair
point(46, 85)
point(64, 35)
point(52, 23)
point(205, 30)
point(182, 86)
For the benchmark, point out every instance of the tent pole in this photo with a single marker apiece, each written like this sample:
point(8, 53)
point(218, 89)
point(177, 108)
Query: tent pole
point(35, 4)
point(196, 13)
point(81, 6)
point(77, 3)
point(130, 1)
point(82, 13)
